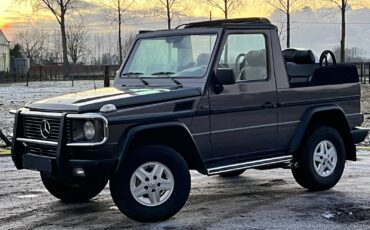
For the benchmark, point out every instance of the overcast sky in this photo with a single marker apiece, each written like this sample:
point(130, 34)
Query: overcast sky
point(317, 28)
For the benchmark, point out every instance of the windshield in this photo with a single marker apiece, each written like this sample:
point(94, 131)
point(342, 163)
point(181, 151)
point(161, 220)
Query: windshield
point(174, 56)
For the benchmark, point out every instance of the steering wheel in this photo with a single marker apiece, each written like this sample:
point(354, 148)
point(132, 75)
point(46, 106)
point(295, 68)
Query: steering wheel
point(239, 65)
point(325, 57)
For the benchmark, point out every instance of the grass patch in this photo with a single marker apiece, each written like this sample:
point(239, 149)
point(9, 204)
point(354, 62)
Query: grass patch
point(362, 148)
point(4, 152)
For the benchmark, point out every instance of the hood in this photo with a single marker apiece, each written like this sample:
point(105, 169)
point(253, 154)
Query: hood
point(93, 100)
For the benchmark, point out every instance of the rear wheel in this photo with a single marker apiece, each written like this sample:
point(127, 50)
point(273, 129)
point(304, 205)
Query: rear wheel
point(71, 194)
point(153, 184)
point(322, 163)
point(233, 173)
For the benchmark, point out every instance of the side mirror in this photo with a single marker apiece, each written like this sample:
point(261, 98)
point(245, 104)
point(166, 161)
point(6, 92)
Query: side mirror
point(225, 76)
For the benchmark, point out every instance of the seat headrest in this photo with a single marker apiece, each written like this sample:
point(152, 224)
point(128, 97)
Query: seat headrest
point(203, 59)
point(256, 58)
point(299, 56)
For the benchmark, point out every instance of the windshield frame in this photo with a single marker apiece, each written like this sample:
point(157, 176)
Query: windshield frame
point(171, 33)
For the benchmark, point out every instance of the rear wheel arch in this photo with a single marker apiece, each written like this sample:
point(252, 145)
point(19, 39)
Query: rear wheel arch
point(172, 134)
point(333, 116)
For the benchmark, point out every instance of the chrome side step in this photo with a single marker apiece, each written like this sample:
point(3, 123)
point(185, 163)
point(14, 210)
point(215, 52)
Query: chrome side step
point(249, 164)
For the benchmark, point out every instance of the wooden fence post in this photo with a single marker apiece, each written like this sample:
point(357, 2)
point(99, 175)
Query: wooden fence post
point(40, 71)
point(362, 73)
point(106, 76)
point(28, 77)
point(368, 73)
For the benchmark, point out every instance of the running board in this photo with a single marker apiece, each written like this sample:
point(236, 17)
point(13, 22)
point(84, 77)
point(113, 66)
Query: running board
point(249, 164)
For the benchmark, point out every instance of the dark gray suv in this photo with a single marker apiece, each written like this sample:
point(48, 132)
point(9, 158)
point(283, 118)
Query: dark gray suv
point(218, 97)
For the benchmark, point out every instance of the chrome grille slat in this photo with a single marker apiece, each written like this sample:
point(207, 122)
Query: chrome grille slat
point(32, 125)
point(45, 151)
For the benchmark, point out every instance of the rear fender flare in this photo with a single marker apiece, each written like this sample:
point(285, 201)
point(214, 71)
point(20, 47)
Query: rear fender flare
point(303, 127)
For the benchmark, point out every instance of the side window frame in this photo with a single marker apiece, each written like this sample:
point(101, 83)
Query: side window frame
point(268, 52)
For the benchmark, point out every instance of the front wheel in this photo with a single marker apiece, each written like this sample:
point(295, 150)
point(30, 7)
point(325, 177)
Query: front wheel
point(152, 184)
point(71, 194)
point(321, 165)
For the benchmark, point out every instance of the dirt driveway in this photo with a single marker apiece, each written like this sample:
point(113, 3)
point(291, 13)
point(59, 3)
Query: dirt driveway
point(258, 199)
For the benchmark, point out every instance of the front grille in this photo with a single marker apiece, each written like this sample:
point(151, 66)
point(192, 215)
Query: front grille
point(44, 150)
point(69, 131)
point(32, 125)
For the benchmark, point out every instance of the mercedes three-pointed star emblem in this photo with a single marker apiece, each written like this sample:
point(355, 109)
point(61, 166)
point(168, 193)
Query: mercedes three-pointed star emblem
point(45, 129)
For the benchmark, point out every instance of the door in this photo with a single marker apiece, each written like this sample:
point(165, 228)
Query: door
point(244, 115)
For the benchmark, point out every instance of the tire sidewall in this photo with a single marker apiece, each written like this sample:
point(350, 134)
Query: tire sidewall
point(319, 135)
point(120, 184)
point(71, 194)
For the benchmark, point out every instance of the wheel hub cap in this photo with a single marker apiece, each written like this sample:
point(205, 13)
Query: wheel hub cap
point(325, 158)
point(152, 184)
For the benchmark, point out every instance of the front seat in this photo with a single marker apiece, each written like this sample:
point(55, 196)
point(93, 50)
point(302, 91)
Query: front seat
point(203, 59)
point(255, 67)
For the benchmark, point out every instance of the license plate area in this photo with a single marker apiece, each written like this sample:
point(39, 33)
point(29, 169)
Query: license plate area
point(38, 163)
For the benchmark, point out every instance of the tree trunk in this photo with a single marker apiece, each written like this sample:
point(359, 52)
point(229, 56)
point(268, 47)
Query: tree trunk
point(168, 15)
point(226, 10)
point(64, 46)
point(288, 24)
point(120, 32)
point(343, 39)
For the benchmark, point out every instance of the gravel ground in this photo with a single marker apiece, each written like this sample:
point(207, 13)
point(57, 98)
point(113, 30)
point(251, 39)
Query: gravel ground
point(256, 200)
point(14, 96)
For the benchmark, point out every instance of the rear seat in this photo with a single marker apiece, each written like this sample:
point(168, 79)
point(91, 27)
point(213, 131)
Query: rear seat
point(334, 74)
point(303, 71)
point(300, 66)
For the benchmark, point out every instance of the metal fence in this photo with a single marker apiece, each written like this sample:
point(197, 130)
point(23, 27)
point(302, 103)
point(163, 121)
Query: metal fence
point(363, 69)
point(55, 73)
point(97, 72)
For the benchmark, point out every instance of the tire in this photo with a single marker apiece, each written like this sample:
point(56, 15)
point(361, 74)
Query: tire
point(69, 194)
point(146, 207)
point(232, 174)
point(326, 145)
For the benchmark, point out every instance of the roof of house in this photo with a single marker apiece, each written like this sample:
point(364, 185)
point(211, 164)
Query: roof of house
point(3, 39)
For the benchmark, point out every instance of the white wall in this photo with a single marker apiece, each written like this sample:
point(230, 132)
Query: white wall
point(4, 58)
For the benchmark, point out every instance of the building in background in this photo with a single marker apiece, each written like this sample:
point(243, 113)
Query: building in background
point(4, 53)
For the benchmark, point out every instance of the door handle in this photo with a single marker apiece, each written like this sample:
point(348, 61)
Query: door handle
point(269, 105)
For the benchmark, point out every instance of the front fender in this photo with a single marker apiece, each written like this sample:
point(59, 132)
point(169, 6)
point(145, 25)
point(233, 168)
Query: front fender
point(131, 133)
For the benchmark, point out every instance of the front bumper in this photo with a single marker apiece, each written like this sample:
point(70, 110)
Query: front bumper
point(359, 134)
point(70, 169)
point(75, 171)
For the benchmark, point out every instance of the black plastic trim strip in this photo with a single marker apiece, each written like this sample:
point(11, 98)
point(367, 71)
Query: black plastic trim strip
point(319, 101)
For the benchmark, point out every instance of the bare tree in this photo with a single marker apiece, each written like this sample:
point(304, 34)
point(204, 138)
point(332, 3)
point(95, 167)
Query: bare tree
point(33, 43)
point(59, 9)
point(77, 42)
point(343, 6)
point(170, 9)
point(226, 6)
point(353, 54)
point(130, 38)
point(117, 10)
point(287, 7)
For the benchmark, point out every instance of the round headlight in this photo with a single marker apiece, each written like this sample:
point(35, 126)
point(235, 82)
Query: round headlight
point(89, 130)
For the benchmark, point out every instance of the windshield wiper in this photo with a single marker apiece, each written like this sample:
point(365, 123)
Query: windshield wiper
point(168, 75)
point(163, 73)
point(136, 75)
